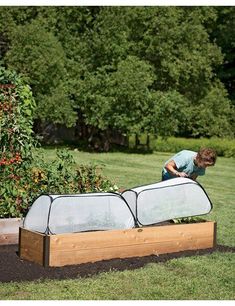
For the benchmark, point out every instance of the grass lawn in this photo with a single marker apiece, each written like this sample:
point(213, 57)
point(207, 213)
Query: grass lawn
point(199, 277)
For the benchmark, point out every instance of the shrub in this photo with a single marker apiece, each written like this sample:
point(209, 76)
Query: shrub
point(224, 147)
point(16, 108)
point(16, 136)
point(24, 172)
point(57, 177)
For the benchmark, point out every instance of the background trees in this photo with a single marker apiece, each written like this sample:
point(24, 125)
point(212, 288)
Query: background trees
point(42, 62)
point(161, 70)
point(223, 33)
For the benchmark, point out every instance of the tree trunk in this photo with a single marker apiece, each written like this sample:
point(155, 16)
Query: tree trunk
point(148, 142)
point(137, 141)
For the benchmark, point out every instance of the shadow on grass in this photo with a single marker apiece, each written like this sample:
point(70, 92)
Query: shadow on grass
point(84, 147)
point(113, 149)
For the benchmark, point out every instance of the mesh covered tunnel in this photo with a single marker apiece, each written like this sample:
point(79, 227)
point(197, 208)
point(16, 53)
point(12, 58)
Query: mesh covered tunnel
point(139, 206)
point(174, 198)
point(56, 214)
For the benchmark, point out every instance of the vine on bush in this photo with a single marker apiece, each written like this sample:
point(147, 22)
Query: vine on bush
point(24, 172)
point(17, 142)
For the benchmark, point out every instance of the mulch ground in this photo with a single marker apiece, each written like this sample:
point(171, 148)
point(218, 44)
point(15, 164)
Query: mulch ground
point(12, 268)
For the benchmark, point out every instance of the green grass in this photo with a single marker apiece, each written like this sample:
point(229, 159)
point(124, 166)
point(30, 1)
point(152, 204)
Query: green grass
point(199, 277)
point(127, 170)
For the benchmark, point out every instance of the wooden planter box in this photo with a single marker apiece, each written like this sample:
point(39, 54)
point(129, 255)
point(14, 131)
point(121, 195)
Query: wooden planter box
point(9, 230)
point(77, 248)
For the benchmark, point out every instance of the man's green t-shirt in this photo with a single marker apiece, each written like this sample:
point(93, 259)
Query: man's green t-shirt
point(184, 161)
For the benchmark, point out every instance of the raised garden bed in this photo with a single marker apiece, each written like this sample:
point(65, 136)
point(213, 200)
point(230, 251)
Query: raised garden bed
point(64, 230)
point(76, 248)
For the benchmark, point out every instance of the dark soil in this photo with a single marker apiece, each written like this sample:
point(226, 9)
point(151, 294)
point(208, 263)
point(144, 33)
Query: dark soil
point(12, 268)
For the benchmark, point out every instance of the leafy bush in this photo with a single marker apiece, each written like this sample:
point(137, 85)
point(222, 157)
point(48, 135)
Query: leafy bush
point(224, 147)
point(16, 107)
point(16, 136)
point(90, 179)
point(40, 177)
point(24, 172)
point(170, 112)
point(213, 116)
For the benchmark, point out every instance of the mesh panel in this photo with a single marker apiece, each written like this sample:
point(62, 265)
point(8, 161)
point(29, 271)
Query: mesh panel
point(130, 197)
point(89, 212)
point(174, 198)
point(178, 201)
point(37, 217)
point(167, 183)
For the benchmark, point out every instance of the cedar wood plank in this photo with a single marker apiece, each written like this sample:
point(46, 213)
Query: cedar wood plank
point(68, 249)
point(31, 246)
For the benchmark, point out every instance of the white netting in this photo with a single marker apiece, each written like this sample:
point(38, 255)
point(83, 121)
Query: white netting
point(175, 198)
point(77, 213)
point(37, 216)
point(89, 212)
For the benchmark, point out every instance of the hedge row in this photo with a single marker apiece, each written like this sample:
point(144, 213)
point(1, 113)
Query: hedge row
point(223, 147)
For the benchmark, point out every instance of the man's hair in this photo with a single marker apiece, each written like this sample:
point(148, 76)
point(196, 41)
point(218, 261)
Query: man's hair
point(207, 154)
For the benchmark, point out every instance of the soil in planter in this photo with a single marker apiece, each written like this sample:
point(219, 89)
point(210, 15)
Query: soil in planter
point(12, 268)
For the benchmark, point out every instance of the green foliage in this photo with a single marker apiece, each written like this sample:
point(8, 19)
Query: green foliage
point(63, 176)
point(170, 113)
point(95, 100)
point(16, 110)
point(124, 68)
point(223, 32)
point(175, 41)
point(106, 40)
point(213, 115)
point(56, 107)
point(16, 136)
point(58, 176)
point(131, 95)
point(39, 56)
point(120, 99)
point(25, 176)
point(89, 179)
point(188, 220)
point(224, 147)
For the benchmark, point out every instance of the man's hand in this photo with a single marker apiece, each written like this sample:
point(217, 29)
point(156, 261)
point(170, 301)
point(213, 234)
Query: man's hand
point(181, 174)
point(171, 167)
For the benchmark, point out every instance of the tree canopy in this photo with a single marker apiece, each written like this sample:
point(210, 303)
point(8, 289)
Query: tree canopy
point(161, 70)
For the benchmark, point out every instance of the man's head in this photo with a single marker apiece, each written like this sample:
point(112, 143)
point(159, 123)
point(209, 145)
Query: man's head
point(205, 157)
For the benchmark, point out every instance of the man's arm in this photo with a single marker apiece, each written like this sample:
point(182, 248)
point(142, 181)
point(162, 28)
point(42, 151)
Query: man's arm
point(172, 169)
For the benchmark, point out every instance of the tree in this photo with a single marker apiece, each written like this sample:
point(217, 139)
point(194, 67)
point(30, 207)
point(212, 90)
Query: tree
point(119, 100)
point(176, 43)
point(39, 56)
point(213, 115)
point(90, 59)
point(170, 114)
point(131, 95)
point(105, 41)
point(223, 33)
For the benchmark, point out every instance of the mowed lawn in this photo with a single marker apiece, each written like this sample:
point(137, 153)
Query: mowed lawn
point(194, 278)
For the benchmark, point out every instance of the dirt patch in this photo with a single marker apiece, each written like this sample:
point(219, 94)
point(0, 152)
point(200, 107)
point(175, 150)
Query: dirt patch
point(12, 268)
